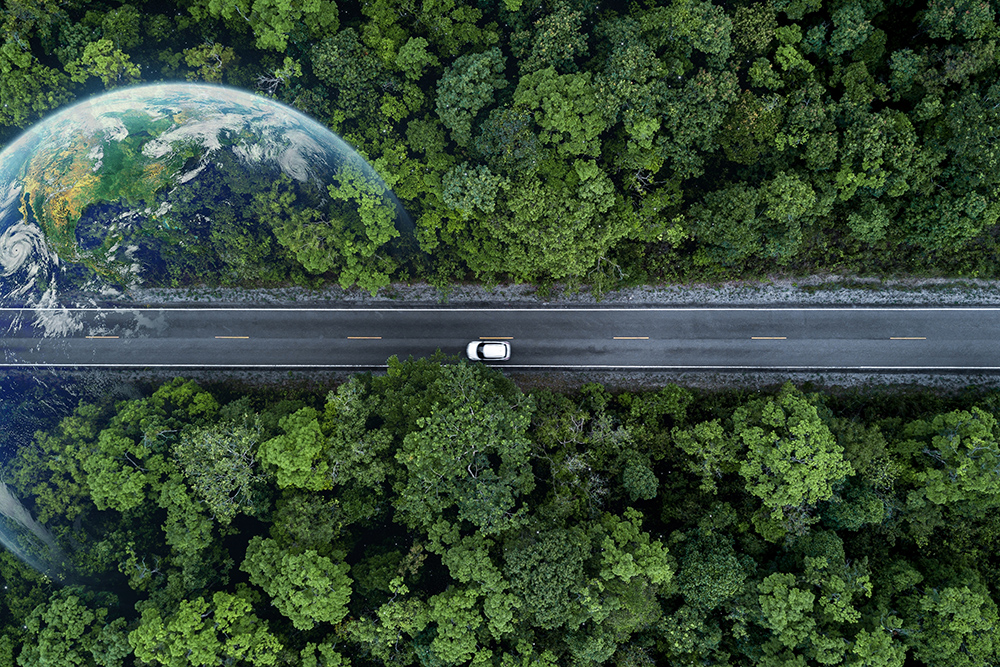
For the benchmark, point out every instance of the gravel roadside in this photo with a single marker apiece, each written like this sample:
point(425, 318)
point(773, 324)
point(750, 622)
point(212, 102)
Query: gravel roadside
point(813, 290)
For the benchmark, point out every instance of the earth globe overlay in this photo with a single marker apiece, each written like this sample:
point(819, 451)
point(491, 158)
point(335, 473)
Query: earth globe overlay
point(145, 183)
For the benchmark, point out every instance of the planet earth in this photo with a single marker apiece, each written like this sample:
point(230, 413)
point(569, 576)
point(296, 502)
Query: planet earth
point(164, 184)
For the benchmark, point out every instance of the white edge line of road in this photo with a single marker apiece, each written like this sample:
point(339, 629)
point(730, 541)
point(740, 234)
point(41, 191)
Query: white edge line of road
point(542, 366)
point(444, 309)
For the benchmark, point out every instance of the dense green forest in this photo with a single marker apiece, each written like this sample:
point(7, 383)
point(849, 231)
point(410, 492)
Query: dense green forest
point(437, 515)
point(584, 141)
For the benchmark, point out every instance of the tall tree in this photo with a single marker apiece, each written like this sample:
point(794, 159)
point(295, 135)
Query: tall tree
point(792, 458)
point(306, 587)
point(465, 88)
point(200, 632)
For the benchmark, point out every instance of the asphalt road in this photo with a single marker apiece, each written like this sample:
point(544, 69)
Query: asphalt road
point(900, 339)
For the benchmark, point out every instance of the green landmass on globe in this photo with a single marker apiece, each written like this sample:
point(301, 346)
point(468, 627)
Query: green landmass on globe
point(180, 183)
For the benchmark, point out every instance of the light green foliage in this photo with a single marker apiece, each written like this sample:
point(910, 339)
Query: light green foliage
point(837, 585)
point(812, 613)
point(627, 551)
point(111, 645)
point(450, 26)
point(359, 244)
point(219, 462)
point(299, 456)
point(130, 458)
point(875, 649)
point(413, 58)
point(274, 22)
point(200, 633)
point(958, 628)
point(172, 406)
point(27, 87)
point(324, 655)
point(793, 460)
point(457, 620)
point(470, 454)
point(188, 531)
point(713, 452)
point(787, 609)
point(306, 587)
point(61, 633)
point(558, 227)
point(959, 456)
point(210, 59)
point(115, 473)
point(466, 87)
point(108, 63)
point(302, 230)
point(791, 59)
point(471, 189)
point(566, 108)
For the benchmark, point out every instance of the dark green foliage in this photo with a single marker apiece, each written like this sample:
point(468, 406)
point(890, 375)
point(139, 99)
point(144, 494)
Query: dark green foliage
point(727, 140)
point(438, 515)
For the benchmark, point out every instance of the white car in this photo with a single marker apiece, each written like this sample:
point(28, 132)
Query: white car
point(488, 350)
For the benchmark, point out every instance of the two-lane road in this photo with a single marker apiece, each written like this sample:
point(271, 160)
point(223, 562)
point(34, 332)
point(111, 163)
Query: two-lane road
point(934, 339)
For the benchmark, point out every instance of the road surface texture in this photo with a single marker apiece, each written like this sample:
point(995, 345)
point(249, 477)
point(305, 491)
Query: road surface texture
point(674, 338)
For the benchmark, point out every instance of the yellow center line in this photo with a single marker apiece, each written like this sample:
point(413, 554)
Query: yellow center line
point(496, 338)
point(102, 336)
point(242, 337)
point(907, 337)
point(364, 338)
point(631, 338)
point(768, 337)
